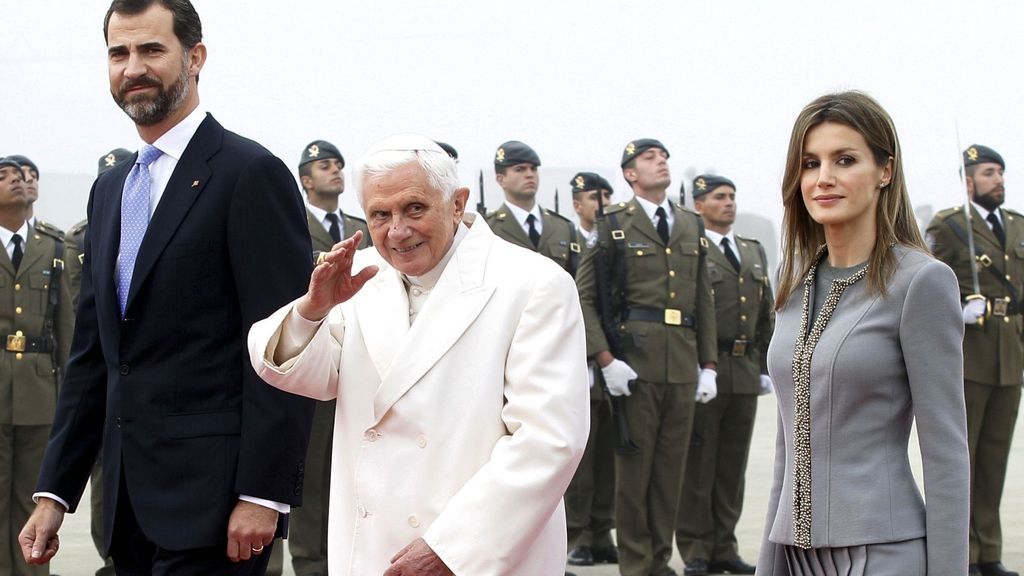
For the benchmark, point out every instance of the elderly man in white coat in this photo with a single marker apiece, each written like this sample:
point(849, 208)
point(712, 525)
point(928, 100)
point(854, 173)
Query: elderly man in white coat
point(459, 365)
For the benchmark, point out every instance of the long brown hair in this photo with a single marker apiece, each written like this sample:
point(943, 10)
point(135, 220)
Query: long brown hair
point(894, 215)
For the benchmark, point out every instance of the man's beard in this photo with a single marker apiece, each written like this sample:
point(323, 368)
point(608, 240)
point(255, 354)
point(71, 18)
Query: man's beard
point(146, 111)
point(989, 201)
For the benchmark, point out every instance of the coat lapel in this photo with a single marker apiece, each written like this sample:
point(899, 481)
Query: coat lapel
point(33, 251)
point(983, 233)
point(383, 312)
point(716, 255)
point(512, 231)
point(643, 223)
point(322, 241)
point(454, 304)
point(187, 181)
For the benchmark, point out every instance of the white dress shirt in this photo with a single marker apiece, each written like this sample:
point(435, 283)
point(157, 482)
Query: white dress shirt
point(321, 216)
point(650, 208)
point(716, 239)
point(520, 216)
point(7, 237)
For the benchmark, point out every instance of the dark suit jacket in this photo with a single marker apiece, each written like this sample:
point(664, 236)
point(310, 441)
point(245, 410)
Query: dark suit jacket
point(185, 419)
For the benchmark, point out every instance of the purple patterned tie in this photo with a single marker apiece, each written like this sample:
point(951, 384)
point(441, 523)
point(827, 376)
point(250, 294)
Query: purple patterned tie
point(134, 220)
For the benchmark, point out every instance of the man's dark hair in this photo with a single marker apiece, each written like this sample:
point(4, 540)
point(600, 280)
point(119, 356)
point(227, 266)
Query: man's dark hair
point(306, 169)
point(500, 169)
point(187, 26)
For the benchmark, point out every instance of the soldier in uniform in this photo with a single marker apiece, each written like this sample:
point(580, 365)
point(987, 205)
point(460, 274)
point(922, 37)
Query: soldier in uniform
point(665, 326)
point(712, 495)
point(322, 179)
point(30, 172)
point(36, 320)
point(590, 498)
point(993, 355)
point(74, 259)
point(520, 220)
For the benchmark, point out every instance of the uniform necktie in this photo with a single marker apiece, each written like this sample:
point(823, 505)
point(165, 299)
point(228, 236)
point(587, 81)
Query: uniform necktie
point(335, 230)
point(729, 254)
point(18, 253)
point(534, 235)
point(997, 228)
point(134, 219)
point(662, 224)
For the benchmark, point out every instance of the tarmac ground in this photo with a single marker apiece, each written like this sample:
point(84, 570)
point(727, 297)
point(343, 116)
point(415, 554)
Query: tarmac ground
point(77, 556)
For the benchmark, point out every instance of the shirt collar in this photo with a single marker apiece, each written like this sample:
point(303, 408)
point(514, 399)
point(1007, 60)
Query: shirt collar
point(520, 214)
point(650, 207)
point(319, 213)
point(174, 141)
point(716, 238)
point(429, 279)
point(985, 212)
point(6, 235)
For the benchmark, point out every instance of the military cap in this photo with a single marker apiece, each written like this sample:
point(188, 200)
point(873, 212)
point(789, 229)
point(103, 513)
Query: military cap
point(707, 182)
point(9, 163)
point(111, 159)
point(634, 148)
point(584, 181)
point(320, 150)
point(24, 161)
point(978, 154)
point(448, 148)
point(515, 152)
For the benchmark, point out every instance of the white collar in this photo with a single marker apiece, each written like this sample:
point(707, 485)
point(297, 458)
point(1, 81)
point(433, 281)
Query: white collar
point(6, 235)
point(520, 214)
point(430, 278)
point(320, 214)
point(716, 238)
point(174, 141)
point(650, 207)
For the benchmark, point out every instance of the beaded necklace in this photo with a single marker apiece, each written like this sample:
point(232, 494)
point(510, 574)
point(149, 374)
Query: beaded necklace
point(804, 349)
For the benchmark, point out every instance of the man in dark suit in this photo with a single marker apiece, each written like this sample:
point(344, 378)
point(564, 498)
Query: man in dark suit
point(187, 246)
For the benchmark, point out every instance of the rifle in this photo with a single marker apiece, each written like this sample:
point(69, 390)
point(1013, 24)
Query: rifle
point(481, 208)
point(557, 211)
point(606, 310)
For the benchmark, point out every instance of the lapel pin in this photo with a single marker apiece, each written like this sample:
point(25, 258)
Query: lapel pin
point(195, 183)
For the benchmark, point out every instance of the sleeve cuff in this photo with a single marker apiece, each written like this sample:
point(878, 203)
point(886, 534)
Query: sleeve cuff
point(51, 496)
point(281, 508)
point(296, 333)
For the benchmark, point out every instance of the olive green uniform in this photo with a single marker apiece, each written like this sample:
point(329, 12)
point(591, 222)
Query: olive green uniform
point(558, 238)
point(993, 361)
point(30, 372)
point(590, 498)
point(713, 485)
point(667, 331)
point(307, 527)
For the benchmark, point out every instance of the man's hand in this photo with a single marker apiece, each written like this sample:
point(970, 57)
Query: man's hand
point(332, 281)
point(974, 310)
point(38, 539)
point(617, 375)
point(417, 559)
point(707, 385)
point(250, 528)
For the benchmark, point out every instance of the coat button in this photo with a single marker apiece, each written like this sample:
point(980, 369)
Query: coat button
point(362, 511)
point(372, 435)
point(421, 441)
point(18, 356)
point(17, 310)
point(17, 287)
point(117, 421)
point(124, 369)
point(414, 521)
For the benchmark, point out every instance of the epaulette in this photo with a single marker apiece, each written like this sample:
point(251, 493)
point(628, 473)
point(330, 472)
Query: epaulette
point(943, 214)
point(557, 215)
point(747, 239)
point(1014, 212)
point(499, 214)
point(356, 218)
point(688, 210)
point(49, 230)
point(77, 229)
point(617, 207)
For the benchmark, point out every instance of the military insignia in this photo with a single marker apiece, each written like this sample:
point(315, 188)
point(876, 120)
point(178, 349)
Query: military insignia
point(701, 184)
point(313, 151)
point(499, 156)
point(630, 149)
point(579, 183)
point(972, 153)
point(110, 159)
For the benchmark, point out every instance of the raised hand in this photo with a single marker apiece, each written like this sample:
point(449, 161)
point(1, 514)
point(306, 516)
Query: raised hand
point(332, 281)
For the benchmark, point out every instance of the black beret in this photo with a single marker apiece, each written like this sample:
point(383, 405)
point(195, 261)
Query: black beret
point(515, 152)
point(978, 154)
point(111, 159)
point(634, 148)
point(707, 182)
point(449, 149)
point(584, 181)
point(24, 161)
point(7, 162)
point(320, 150)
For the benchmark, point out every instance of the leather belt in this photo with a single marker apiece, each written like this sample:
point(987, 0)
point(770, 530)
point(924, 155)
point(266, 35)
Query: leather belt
point(1004, 307)
point(668, 316)
point(734, 347)
point(20, 343)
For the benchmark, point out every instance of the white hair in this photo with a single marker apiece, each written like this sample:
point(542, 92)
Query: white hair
point(402, 149)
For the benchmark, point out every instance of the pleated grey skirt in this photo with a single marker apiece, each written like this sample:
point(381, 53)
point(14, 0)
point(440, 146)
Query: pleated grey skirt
point(907, 558)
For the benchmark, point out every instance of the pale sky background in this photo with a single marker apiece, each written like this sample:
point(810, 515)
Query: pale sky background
point(719, 83)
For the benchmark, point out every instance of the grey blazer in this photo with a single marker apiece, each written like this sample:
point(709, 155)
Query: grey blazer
point(880, 363)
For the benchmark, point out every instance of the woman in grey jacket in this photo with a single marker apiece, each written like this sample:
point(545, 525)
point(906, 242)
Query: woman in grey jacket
point(867, 338)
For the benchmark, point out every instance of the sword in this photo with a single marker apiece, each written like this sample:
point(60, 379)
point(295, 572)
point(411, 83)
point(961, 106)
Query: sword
point(969, 217)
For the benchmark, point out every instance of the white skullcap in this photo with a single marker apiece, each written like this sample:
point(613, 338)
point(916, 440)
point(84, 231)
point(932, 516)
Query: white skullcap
point(404, 143)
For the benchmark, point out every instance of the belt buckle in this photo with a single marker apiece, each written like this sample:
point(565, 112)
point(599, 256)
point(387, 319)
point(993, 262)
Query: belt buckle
point(984, 260)
point(673, 317)
point(1000, 306)
point(15, 343)
point(739, 348)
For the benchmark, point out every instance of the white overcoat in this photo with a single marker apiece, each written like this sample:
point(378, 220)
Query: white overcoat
point(464, 428)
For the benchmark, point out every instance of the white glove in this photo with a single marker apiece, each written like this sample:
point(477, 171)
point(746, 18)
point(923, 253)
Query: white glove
point(974, 310)
point(766, 385)
point(617, 375)
point(707, 388)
